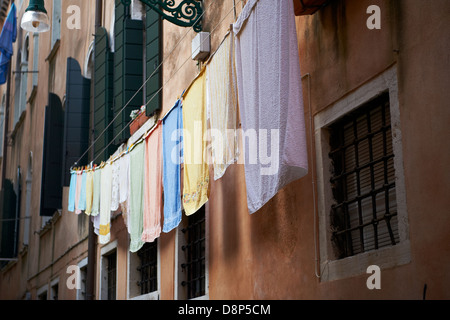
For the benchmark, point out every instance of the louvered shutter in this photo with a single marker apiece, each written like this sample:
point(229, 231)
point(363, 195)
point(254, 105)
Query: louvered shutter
point(51, 191)
point(103, 95)
point(153, 59)
point(76, 118)
point(7, 215)
point(128, 70)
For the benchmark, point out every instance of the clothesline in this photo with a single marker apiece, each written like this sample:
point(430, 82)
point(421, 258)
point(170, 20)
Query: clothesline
point(91, 166)
point(145, 82)
point(211, 98)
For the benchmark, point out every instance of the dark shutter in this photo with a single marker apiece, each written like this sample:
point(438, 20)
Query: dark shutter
point(51, 191)
point(76, 118)
point(8, 216)
point(103, 95)
point(153, 59)
point(128, 70)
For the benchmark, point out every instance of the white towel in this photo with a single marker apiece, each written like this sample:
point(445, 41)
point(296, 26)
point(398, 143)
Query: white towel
point(270, 99)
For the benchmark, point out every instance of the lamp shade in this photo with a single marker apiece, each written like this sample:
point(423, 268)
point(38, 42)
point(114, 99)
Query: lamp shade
point(35, 18)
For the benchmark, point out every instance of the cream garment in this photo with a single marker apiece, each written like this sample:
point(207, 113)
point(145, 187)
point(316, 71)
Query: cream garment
point(221, 101)
point(105, 204)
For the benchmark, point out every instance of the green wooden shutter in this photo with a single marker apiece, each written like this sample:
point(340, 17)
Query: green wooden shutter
point(128, 70)
point(153, 59)
point(103, 95)
point(7, 215)
point(51, 191)
point(76, 118)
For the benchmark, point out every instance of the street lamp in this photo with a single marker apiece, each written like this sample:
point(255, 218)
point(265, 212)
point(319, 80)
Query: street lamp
point(35, 18)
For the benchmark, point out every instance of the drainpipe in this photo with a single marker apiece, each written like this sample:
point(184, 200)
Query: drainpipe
point(92, 240)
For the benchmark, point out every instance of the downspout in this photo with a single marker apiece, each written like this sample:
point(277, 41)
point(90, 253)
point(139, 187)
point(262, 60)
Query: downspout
point(92, 243)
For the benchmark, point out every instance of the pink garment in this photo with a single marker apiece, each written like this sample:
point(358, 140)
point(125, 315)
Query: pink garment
point(153, 185)
point(78, 191)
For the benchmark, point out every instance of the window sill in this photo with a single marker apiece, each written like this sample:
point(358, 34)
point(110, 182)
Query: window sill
point(32, 94)
point(50, 223)
point(17, 125)
point(54, 50)
point(385, 258)
point(148, 296)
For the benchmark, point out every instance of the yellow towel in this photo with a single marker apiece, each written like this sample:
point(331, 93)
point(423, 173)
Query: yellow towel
point(195, 173)
point(89, 192)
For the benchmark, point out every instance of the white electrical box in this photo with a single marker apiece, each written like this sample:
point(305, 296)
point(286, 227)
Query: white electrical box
point(201, 46)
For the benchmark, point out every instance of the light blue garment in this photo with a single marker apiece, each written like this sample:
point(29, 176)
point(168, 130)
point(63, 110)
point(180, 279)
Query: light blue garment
point(72, 190)
point(82, 199)
point(172, 159)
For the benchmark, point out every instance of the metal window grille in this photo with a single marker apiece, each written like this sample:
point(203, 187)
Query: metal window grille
point(364, 216)
point(112, 270)
point(148, 268)
point(194, 250)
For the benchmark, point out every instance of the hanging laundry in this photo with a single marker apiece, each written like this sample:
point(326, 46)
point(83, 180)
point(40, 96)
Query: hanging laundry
point(222, 107)
point(136, 208)
point(172, 137)
point(270, 99)
point(115, 186)
point(105, 204)
point(72, 190)
point(89, 191)
point(96, 192)
point(195, 173)
point(124, 172)
point(96, 223)
point(153, 185)
point(78, 192)
point(82, 199)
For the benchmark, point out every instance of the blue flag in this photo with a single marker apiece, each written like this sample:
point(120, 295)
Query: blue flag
point(7, 38)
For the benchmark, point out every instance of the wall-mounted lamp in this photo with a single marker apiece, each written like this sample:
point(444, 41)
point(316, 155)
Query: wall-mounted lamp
point(35, 18)
point(187, 13)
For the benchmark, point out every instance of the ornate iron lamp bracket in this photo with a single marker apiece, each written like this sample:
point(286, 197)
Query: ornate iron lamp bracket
point(188, 13)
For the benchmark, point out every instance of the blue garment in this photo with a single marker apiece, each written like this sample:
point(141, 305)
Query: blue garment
point(172, 149)
point(72, 190)
point(82, 199)
point(7, 37)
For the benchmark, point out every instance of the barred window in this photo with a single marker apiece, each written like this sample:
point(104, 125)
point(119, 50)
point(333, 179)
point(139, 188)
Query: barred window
point(364, 215)
point(194, 265)
point(148, 268)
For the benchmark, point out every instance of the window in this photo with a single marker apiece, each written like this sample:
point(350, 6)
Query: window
point(28, 193)
point(192, 259)
point(54, 289)
point(42, 293)
point(81, 292)
point(362, 202)
point(108, 271)
point(364, 217)
point(21, 80)
point(144, 274)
